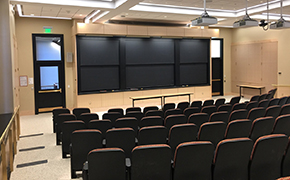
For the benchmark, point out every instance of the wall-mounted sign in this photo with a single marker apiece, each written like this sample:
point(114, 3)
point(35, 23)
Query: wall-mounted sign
point(23, 81)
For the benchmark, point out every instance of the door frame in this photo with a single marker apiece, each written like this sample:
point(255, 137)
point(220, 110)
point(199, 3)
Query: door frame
point(221, 66)
point(36, 64)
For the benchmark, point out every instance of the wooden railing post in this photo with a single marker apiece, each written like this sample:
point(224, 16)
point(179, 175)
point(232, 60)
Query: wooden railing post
point(4, 163)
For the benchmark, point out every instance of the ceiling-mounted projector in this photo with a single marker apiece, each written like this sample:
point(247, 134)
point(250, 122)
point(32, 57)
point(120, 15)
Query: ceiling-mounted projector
point(204, 20)
point(281, 23)
point(245, 22)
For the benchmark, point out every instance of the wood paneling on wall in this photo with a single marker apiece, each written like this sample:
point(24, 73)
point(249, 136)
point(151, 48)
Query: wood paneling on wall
point(254, 64)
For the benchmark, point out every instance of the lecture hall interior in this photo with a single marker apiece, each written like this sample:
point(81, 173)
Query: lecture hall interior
point(117, 61)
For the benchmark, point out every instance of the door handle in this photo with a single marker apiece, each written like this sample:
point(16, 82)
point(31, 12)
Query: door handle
point(50, 91)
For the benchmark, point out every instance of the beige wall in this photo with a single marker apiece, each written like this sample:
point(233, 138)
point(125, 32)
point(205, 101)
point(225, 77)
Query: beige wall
point(25, 27)
point(282, 36)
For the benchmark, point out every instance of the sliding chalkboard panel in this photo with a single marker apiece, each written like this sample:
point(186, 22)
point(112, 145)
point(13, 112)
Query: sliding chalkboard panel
point(149, 51)
point(194, 51)
point(196, 74)
point(99, 78)
point(98, 51)
point(150, 76)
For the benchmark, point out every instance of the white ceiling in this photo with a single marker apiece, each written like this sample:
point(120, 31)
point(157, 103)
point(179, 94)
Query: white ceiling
point(170, 11)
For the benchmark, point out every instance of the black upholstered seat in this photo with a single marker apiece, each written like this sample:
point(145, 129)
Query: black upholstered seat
point(262, 97)
point(273, 111)
point(191, 110)
point(196, 104)
point(68, 128)
point(209, 109)
point(286, 161)
point(212, 131)
point(152, 135)
point(181, 133)
point(155, 113)
point(101, 125)
point(136, 114)
point(235, 100)
point(251, 105)
point(167, 106)
point(255, 98)
point(78, 111)
point(261, 127)
point(283, 100)
point(106, 164)
point(208, 102)
point(173, 120)
point(130, 109)
point(112, 116)
point(266, 157)
point(256, 113)
point(238, 128)
point(219, 102)
point(239, 106)
point(60, 119)
point(183, 105)
point(87, 117)
point(55, 113)
point(172, 112)
point(264, 103)
point(127, 122)
point(274, 101)
point(219, 116)
point(193, 160)
point(238, 114)
point(282, 125)
point(151, 162)
point(225, 107)
point(81, 141)
point(232, 158)
point(198, 119)
point(149, 108)
point(285, 109)
point(123, 138)
point(118, 110)
point(151, 121)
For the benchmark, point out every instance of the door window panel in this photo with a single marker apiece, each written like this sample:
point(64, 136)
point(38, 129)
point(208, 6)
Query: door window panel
point(49, 77)
point(48, 49)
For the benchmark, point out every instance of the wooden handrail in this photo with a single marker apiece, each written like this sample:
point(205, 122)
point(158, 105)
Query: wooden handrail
point(5, 133)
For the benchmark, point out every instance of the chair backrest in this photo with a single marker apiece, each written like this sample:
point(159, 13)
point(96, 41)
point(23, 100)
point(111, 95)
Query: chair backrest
point(191, 110)
point(208, 102)
point(155, 113)
point(283, 100)
point(60, 119)
point(282, 125)
point(238, 114)
point(219, 116)
point(209, 109)
point(151, 162)
point(173, 120)
point(118, 110)
point(262, 97)
point(82, 144)
point(123, 138)
point(167, 106)
point(251, 105)
point(273, 111)
point(264, 103)
point(239, 106)
point(238, 129)
point(286, 161)
point(149, 108)
point(285, 109)
point(79, 111)
point(57, 111)
point(107, 163)
point(198, 119)
point(261, 127)
point(256, 113)
point(274, 101)
point(172, 112)
point(130, 109)
point(288, 100)
point(101, 125)
point(68, 128)
point(181, 133)
point(269, 96)
point(112, 116)
point(232, 158)
point(87, 117)
point(183, 105)
point(255, 98)
point(272, 92)
point(127, 122)
point(137, 114)
point(266, 157)
point(235, 100)
point(196, 104)
point(219, 102)
point(193, 160)
point(225, 107)
point(152, 135)
point(151, 121)
point(212, 131)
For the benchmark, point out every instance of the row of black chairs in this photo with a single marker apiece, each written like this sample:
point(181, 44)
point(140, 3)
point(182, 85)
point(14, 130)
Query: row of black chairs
point(267, 159)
